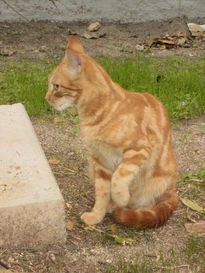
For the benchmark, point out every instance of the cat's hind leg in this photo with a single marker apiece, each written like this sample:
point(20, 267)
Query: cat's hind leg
point(126, 172)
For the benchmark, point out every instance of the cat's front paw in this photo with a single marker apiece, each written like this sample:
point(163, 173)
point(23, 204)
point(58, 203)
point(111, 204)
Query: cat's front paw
point(90, 218)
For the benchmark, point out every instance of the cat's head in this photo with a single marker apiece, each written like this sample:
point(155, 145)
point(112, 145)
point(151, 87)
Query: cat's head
point(64, 83)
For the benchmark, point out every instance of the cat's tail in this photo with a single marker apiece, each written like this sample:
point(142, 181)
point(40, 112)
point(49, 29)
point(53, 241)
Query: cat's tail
point(153, 217)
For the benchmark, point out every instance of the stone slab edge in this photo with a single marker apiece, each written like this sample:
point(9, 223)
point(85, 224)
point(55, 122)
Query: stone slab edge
point(36, 219)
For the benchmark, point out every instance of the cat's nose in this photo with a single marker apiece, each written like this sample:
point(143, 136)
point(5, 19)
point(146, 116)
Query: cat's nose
point(47, 97)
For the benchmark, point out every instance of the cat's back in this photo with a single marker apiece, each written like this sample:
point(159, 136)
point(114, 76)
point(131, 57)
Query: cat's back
point(145, 108)
point(144, 100)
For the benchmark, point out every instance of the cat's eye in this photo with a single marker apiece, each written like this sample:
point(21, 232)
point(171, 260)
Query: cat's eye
point(56, 86)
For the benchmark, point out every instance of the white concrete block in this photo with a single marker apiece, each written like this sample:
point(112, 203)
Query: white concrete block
point(31, 205)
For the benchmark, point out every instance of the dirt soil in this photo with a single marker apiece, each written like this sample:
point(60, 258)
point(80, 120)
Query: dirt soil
point(93, 250)
point(43, 40)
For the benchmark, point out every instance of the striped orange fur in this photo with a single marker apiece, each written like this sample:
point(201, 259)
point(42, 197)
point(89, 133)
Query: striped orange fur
point(128, 137)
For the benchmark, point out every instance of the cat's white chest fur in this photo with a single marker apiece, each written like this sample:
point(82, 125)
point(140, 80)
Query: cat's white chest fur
point(109, 156)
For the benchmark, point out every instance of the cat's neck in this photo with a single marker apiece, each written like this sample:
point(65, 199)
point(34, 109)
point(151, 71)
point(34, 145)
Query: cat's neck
point(98, 97)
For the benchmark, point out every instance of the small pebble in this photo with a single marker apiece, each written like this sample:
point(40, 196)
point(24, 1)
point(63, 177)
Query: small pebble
point(139, 47)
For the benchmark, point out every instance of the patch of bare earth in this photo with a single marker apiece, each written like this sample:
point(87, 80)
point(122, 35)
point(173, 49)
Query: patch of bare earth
point(41, 41)
point(93, 250)
point(189, 140)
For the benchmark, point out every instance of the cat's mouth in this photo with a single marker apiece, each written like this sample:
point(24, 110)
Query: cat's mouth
point(59, 104)
point(62, 106)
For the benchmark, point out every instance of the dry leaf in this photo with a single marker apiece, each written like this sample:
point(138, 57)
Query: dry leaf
point(192, 205)
point(94, 26)
point(196, 227)
point(53, 161)
point(93, 35)
point(70, 225)
point(120, 240)
point(6, 52)
point(68, 205)
point(88, 35)
point(158, 258)
point(92, 228)
point(164, 41)
point(57, 119)
point(52, 257)
point(114, 228)
point(181, 41)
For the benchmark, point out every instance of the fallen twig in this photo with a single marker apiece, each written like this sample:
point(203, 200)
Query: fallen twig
point(3, 264)
point(3, 252)
point(173, 267)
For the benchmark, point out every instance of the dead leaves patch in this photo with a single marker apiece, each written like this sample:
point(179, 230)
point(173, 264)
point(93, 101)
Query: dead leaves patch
point(70, 225)
point(173, 41)
point(7, 52)
point(53, 161)
point(191, 204)
point(196, 227)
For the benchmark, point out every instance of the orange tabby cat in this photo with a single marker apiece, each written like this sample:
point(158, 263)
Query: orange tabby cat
point(128, 137)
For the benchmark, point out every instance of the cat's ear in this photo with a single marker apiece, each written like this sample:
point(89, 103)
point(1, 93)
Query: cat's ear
point(74, 62)
point(74, 44)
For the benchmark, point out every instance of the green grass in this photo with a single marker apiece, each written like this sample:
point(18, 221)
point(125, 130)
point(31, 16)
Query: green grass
point(178, 82)
point(132, 267)
point(189, 259)
point(25, 83)
point(192, 187)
